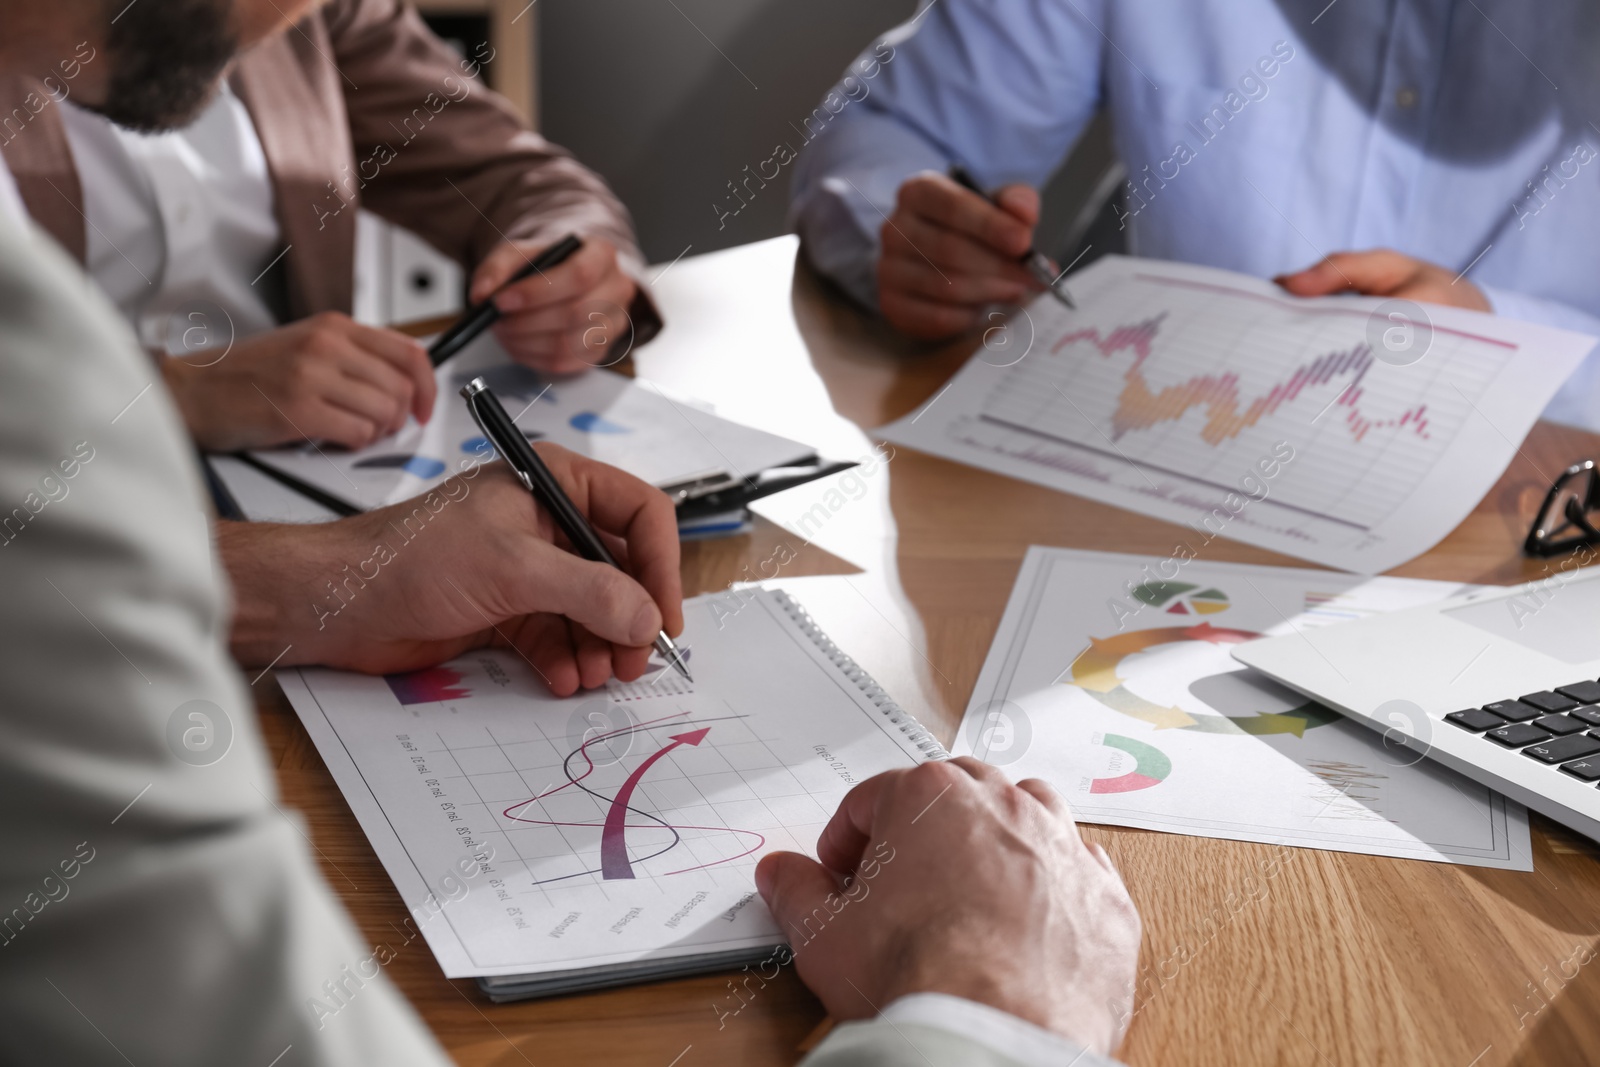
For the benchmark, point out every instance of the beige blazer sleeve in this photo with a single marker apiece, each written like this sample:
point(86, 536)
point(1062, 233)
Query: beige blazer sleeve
point(156, 903)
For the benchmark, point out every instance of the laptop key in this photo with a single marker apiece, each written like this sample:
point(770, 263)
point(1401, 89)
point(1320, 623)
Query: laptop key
point(1588, 715)
point(1560, 725)
point(1586, 769)
point(1545, 700)
point(1477, 720)
point(1582, 692)
point(1518, 734)
point(1514, 710)
point(1562, 749)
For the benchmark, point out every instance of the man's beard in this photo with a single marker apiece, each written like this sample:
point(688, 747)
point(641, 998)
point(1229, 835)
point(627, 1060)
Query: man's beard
point(166, 58)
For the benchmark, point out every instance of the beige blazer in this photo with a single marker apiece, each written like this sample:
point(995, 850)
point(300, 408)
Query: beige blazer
point(359, 104)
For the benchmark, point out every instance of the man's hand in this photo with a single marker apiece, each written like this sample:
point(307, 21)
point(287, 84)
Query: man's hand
point(472, 563)
point(948, 253)
point(324, 378)
point(563, 320)
point(947, 879)
point(1382, 272)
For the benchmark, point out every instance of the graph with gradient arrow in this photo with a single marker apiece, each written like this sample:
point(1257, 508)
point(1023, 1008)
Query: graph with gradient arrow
point(622, 813)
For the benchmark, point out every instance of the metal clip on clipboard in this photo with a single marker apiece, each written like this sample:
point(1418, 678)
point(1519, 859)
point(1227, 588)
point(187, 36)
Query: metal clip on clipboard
point(720, 492)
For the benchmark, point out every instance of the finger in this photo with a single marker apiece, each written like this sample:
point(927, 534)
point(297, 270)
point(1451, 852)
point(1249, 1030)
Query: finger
point(948, 251)
point(917, 277)
point(1020, 201)
point(618, 503)
point(361, 369)
point(407, 357)
point(1376, 272)
point(369, 401)
point(983, 772)
point(926, 319)
point(940, 200)
point(793, 886)
point(849, 830)
point(546, 641)
point(503, 260)
point(594, 657)
point(602, 310)
point(597, 596)
point(580, 274)
point(1046, 794)
point(327, 421)
point(629, 664)
point(546, 353)
point(1102, 858)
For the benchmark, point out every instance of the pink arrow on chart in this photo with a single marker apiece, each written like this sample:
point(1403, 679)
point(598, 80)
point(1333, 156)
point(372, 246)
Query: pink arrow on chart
point(614, 862)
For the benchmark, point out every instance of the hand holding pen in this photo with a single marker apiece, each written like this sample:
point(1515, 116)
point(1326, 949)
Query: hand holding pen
point(1041, 266)
point(950, 254)
point(529, 469)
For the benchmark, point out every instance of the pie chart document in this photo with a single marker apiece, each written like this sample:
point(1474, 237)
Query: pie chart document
point(1111, 678)
point(544, 845)
point(1351, 431)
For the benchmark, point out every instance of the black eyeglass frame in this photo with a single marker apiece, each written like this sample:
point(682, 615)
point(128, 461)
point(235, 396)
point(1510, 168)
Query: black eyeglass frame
point(1539, 543)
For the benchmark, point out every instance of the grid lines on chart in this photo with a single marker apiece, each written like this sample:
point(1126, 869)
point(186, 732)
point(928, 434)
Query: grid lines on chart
point(1366, 433)
point(736, 785)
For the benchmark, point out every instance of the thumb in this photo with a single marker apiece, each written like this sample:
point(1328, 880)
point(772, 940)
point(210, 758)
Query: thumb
point(793, 886)
point(1020, 201)
point(504, 260)
point(600, 598)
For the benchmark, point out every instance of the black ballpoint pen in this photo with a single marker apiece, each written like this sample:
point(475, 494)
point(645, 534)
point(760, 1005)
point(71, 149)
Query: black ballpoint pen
point(491, 417)
point(481, 316)
point(1038, 264)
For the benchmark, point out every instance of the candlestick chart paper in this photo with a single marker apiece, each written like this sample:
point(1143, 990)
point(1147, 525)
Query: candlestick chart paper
point(1349, 431)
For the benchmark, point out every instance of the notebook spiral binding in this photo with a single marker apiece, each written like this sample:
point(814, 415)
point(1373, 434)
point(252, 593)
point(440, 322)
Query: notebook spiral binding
point(915, 732)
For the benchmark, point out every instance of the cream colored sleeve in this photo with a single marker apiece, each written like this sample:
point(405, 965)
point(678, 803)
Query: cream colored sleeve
point(937, 1030)
point(156, 904)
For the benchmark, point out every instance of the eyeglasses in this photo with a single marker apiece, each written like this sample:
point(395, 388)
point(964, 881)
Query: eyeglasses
point(1571, 509)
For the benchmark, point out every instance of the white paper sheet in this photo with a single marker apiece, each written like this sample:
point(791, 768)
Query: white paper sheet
point(1321, 428)
point(648, 432)
point(530, 835)
point(1110, 677)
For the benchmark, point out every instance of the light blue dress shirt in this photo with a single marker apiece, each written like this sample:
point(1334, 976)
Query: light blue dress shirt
point(1259, 135)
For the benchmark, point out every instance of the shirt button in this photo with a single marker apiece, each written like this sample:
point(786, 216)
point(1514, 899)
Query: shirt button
point(1406, 97)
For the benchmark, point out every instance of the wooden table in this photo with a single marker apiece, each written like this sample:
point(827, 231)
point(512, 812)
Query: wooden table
point(1347, 960)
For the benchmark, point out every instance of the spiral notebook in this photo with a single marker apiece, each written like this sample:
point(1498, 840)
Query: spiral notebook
point(549, 845)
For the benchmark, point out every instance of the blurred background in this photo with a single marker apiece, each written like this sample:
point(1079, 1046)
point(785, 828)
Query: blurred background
point(669, 100)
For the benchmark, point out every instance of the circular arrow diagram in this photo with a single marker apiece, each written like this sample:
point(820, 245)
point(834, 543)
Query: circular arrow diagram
point(1095, 672)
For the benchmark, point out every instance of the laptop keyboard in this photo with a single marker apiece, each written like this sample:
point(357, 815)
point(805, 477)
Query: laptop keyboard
point(1559, 727)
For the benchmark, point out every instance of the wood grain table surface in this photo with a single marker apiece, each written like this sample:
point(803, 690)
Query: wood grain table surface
point(1345, 959)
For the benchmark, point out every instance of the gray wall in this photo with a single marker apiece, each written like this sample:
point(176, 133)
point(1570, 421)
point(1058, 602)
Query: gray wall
point(637, 90)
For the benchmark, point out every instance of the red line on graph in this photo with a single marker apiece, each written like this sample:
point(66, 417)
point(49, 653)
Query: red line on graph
point(1139, 406)
point(614, 859)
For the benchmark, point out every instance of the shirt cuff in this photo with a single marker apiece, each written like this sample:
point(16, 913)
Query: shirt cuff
point(1012, 1037)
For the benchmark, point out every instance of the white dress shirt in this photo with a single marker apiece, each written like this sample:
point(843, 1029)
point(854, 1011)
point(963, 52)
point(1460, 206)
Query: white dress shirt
point(11, 207)
point(179, 222)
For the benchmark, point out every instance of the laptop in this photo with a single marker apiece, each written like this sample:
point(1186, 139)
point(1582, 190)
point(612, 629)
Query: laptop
point(1502, 685)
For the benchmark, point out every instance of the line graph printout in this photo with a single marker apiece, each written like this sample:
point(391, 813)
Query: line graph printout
point(1337, 429)
point(1143, 718)
point(532, 835)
